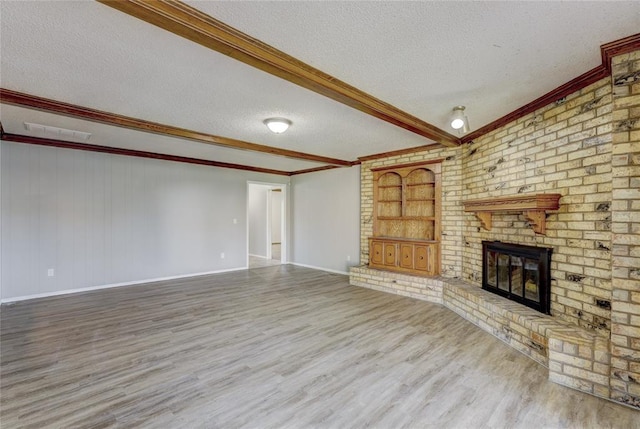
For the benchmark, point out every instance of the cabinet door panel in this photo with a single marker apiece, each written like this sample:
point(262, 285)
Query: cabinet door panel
point(406, 255)
point(422, 255)
point(389, 253)
point(376, 252)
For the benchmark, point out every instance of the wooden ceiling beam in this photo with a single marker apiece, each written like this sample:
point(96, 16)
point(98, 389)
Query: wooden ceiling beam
point(188, 22)
point(18, 138)
point(66, 109)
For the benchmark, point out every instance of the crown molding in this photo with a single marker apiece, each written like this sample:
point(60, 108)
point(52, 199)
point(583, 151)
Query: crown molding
point(25, 100)
point(399, 152)
point(313, 170)
point(568, 88)
point(17, 138)
point(618, 47)
point(188, 22)
point(608, 51)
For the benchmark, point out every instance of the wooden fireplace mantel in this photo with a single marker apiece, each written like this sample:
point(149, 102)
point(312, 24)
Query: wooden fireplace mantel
point(534, 208)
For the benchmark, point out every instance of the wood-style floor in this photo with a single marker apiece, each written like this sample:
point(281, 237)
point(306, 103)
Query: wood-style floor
point(274, 347)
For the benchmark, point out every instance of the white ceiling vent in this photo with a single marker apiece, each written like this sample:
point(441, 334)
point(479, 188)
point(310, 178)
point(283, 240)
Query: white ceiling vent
point(49, 132)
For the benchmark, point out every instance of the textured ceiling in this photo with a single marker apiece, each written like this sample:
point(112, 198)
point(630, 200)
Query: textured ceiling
point(422, 57)
point(427, 57)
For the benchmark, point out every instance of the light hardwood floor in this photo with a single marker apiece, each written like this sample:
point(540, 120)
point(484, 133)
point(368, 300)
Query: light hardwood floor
point(274, 347)
point(258, 262)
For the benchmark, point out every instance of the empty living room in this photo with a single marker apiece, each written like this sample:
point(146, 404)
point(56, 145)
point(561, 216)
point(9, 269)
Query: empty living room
point(319, 214)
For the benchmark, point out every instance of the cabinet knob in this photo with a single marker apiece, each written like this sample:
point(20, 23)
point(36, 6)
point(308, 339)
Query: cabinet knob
point(421, 258)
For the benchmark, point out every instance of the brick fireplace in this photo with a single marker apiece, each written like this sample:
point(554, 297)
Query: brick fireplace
point(585, 147)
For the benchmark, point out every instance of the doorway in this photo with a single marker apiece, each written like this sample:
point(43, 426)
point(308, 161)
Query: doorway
point(266, 224)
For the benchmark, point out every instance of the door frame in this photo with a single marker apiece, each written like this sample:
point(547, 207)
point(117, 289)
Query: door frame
point(284, 221)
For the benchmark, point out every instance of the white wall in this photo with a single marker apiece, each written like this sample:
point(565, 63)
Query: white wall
point(100, 219)
point(326, 219)
point(276, 217)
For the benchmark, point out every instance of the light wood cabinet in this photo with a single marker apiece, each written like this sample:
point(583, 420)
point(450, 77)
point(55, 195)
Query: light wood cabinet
point(406, 255)
point(406, 218)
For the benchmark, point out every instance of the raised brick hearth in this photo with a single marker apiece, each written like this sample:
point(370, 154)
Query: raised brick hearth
point(575, 357)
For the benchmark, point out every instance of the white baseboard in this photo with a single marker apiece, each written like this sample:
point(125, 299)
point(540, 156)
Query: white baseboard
point(113, 285)
point(320, 268)
point(258, 256)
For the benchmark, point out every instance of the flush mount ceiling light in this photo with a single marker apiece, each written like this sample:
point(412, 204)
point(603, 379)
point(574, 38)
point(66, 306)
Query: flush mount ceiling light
point(277, 125)
point(459, 120)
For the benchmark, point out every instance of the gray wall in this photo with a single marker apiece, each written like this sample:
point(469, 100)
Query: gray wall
point(99, 219)
point(258, 220)
point(276, 217)
point(326, 219)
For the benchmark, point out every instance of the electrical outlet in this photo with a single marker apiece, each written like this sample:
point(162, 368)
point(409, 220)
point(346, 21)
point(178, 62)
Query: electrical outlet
point(222, 255)
point(235, 221)
point(51, 272)
point(348, 258)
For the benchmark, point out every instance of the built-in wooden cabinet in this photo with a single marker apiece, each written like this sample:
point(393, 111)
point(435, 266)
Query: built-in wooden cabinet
point(406, 218)
point(398, 254)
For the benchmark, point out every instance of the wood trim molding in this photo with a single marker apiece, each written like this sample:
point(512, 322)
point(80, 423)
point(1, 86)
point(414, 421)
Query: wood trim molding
point(313, 170)
point(26, 100)
point(619, 47)
point(412, 164)
point(399, 152)
point(608, 51)
point(533, 207)
point(17, 138)
point(188, 22)
point(568, 88)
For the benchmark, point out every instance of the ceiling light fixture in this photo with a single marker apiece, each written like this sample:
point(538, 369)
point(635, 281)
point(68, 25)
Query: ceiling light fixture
point(459, 120)
point(277, 125)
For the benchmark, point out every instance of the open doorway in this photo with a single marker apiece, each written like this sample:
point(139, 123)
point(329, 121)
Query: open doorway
point(266, 224)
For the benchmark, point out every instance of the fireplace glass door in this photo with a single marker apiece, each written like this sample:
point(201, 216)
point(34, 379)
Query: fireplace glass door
point(503, 272)
point(520, 273)
point(531, 280)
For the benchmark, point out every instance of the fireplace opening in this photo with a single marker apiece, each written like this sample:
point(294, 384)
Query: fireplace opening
point(518, 272)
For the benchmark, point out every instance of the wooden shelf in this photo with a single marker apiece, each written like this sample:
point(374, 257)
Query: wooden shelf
point(421, 184)
point(534, 208)
point(404, 238)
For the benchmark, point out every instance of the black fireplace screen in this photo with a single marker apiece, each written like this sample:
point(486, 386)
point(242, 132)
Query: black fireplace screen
point(518, 272)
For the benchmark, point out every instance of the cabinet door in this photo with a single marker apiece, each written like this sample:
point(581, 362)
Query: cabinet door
point(390, 254)
point(406, 256)
point(422, 258)
point(376, 252)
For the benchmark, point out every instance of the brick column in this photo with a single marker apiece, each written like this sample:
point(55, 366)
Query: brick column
point(625, 228)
